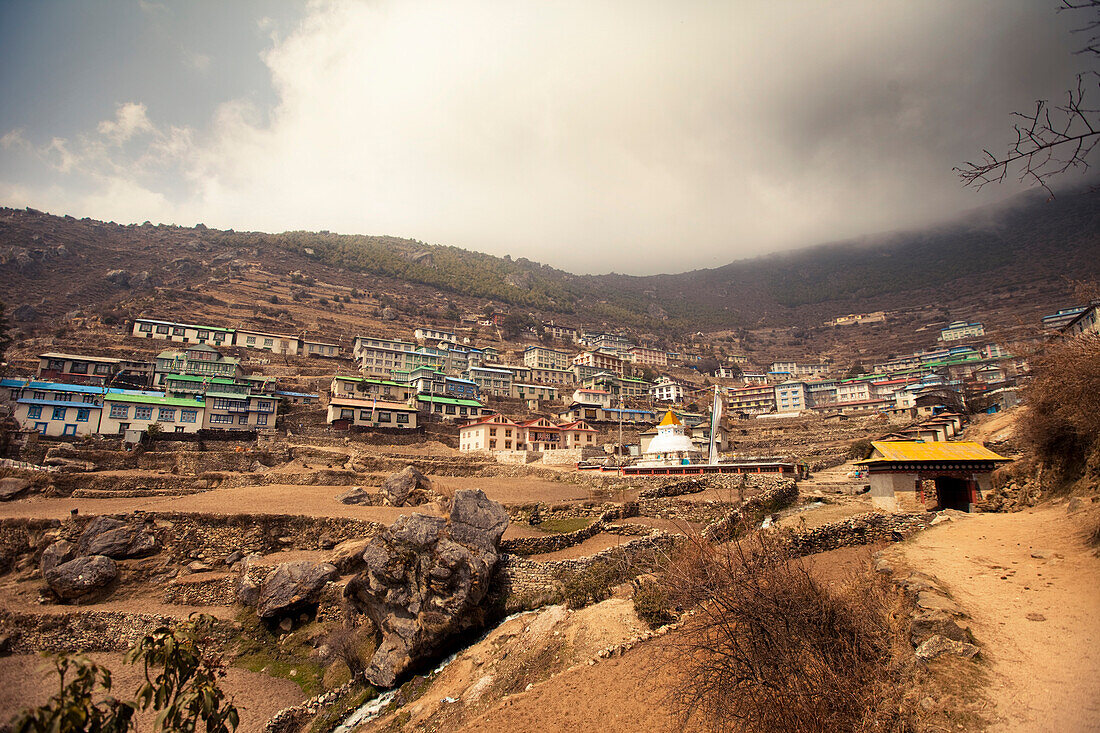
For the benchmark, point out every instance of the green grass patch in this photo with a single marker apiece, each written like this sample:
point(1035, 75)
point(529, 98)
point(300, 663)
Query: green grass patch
point(563, 526)
point(356, 698)
point(259, 650)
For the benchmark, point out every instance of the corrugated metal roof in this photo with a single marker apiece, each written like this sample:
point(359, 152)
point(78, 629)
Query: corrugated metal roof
point(917, 450)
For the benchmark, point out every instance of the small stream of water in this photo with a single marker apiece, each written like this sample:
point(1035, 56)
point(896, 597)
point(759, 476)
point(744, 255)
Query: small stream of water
point(373, 708)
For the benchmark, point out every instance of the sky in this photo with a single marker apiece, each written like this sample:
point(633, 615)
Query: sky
point(634, 136)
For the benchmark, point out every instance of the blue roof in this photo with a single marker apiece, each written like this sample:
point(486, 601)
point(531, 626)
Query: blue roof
point(464, 381)
point(56, 386)
point(60, 403)
point(297, 394)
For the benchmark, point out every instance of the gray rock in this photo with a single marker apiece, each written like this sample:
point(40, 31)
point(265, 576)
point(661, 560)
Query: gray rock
point(389, 314)
point(926, 624)
point(10, 488)
point(118, 278)
point(198, 567)
point(1074, 505)
point(407, 488)
point(247, 589)
point(883, 566)
point(347, 557)
point(1042, 554)
point(291, 585)
point(233, 557)
point(359, 495)
point(116, 539)
point(425, 581)
point(82, 577)
point(24, 313)
point(932, 601)
point(59, 552)
point(939, 645)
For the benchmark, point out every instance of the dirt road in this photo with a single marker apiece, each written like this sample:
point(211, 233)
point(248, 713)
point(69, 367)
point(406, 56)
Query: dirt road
point(1032, 589)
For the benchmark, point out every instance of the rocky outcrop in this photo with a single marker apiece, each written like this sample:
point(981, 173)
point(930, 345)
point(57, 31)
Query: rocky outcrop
point(83, 577)
point(247, 588)
point(59, 552)
point(117, 539)
point(292, 585)
point(408, 488)
point(347, 556)
point(425, 581)
point(11, 488)
point(359, 495)
point(118, 278)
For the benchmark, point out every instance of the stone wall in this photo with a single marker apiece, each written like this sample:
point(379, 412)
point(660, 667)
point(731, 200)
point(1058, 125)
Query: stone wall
point(82, 631)
point(752, 511)
point(560, 541)
point(862, 529)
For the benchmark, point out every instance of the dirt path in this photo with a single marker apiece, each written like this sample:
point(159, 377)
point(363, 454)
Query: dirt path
point(1045, 673)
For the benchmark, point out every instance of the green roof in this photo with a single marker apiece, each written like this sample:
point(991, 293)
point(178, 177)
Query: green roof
point(449, 401)
point(370, 380)
point(148, 399)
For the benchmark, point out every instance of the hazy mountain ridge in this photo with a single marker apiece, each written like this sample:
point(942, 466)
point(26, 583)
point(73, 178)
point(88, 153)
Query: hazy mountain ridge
point(1036, 241)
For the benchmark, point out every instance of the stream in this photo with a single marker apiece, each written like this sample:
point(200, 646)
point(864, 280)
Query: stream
point(372, 708)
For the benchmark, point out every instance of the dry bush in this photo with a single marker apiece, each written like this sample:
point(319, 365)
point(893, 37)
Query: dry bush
point(1062, 424)
point(770, 649)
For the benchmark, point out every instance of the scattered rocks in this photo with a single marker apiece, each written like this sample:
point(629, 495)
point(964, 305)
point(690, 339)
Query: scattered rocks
point(425, 581)
point(118, 278)
point(939, 645)
point(81, 577)
point(359, 495)
point(926, 624)
point(292, 585)
point(1036, 617)
point(932, 601)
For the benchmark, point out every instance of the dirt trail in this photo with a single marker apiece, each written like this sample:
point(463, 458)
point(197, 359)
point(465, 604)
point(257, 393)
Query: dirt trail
point(1045, 673)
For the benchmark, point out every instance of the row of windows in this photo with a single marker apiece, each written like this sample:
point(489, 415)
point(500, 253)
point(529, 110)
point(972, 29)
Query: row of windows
point(164, 414)
point(59, 413)
point(366, 416)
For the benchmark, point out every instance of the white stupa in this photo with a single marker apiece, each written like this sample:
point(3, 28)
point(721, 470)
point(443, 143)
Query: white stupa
point(672, 441)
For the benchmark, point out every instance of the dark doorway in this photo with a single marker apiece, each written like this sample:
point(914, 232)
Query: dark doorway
point(953, 493)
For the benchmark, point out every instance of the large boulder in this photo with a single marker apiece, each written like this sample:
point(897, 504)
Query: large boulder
point(59, 552)
point(407, 488)
point(10, 488)
point(347, 557)
point(292, 585)
point(425, 581)
point(359, 495)
point(117, 539)
point(246, 588)
point(81, 577)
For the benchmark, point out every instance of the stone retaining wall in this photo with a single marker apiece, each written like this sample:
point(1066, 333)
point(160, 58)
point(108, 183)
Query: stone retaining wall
point(83, 631)
point(862, 529)
point(555, 542)
point(766, 502)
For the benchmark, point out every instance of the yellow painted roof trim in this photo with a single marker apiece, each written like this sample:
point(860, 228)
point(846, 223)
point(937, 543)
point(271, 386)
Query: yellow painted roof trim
point(919, 450)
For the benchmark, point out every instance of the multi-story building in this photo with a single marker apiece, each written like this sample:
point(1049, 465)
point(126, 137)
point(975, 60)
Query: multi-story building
point(616, 342)
point(599, 361)
point(491, 381)
point(856, 390)
point(534, 391)
point(597, 413)
point(587, 396)
point(561, 377)
point(80, 369)
point(560, 333)
point(312, 347)
point(426, 333)
point(519, 373)
point(669, 390)
point(185, 333)
point(790, 397)
point(542, 357)
point(821, 392)
point(490, 433)
point(55, 408)
point(125, 411)
point(962, 330)
point(367, 388)
point(382, 356)
point(493, 433)
point(1056, 321)
point(755, 399)
point(648, 356)
point(616, 385)
point(344, 413)
point(199, 360)
point(1087, 321)
point(450, 408)
point(276, 343)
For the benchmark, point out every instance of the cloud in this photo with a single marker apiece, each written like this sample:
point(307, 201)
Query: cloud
point(637, 137)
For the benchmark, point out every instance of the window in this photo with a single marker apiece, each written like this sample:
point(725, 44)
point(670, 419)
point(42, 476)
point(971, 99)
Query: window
point(63, 396)
point(268, 343)
point(177, 331)
point(221, 419)
point(242, 420)
point(263, 406)
point(383, 416)
point(188, 415)
point(261, 419)
point(40, 395)
point(79, 367)
point(347, 414)
point(34, 412)
point(166, 414)
point(250, 340)
point(162, 330)
point(492, 431)
point(450, 409)
point(57, 365)
point(59, 413)
point(82, 414)
point(69, 430)
point(143, 413)
point(507, 445)
point(145, 327)
point(203, 334)
point(120, 411)
point(180, 428)
point(492, 444)
point(402, 418)
point(508, 433)
point(365, 415)
point(102, 368)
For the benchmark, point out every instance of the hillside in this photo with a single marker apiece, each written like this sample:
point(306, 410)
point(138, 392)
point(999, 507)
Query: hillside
point(1024, 256)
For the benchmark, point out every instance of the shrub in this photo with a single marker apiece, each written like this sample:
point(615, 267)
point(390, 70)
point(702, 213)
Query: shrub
point(860, 449)
point(770, 649)
point(652, 603)
point(591, 585)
